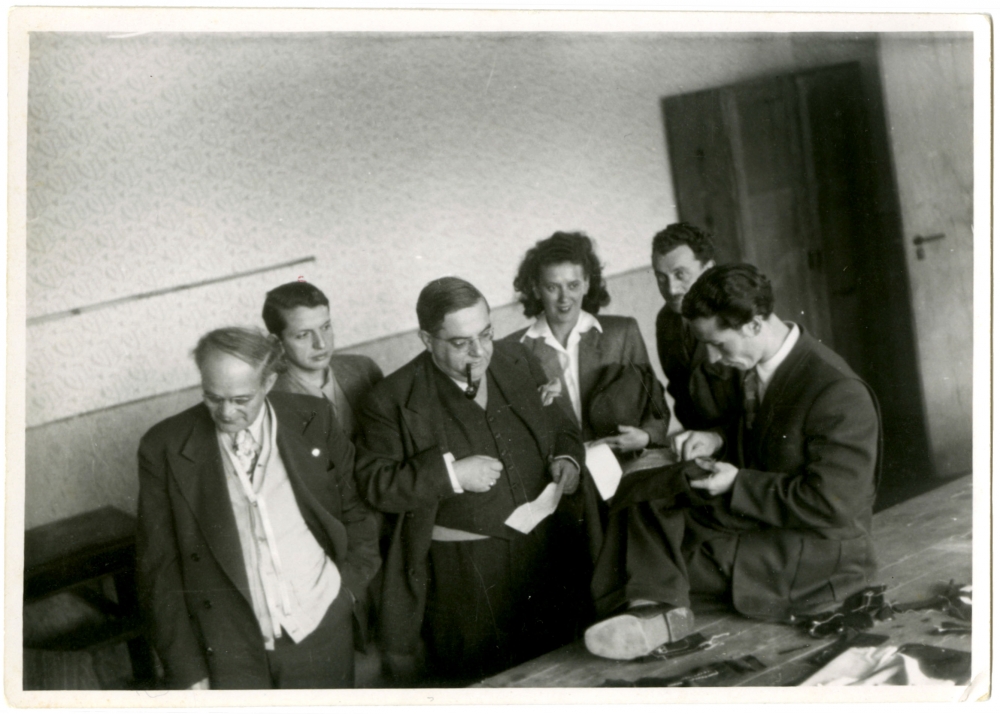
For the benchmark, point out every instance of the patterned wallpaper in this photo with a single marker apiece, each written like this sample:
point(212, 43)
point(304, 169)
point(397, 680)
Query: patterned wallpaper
point(163, 159)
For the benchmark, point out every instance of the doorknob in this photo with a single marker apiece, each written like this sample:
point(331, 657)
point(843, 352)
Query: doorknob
point(920, 240)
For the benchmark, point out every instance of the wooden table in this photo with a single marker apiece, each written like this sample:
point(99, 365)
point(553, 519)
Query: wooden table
point(73, 554)
point(922, 544)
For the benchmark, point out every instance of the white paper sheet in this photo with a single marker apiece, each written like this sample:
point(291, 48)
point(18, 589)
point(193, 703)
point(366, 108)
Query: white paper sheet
point(604, 469)
point(528, 515)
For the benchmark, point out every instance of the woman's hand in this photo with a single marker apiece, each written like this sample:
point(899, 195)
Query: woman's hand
point(629, 438)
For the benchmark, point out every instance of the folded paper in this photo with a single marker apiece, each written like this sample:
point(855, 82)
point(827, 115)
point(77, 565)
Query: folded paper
point(604, 469)
point(528, 515)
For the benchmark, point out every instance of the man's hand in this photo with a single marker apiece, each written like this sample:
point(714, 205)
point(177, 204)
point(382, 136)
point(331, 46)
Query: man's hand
point(689, 444)
point(565, 472)
point(629, 438)
point(477, 473)
point(203, 684)
point(719, 481)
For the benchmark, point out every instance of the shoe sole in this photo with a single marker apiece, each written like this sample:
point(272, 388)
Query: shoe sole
point(629, 636)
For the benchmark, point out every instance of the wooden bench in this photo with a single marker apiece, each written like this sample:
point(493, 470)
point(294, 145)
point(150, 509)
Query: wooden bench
point(74, 555)
point(921, 544)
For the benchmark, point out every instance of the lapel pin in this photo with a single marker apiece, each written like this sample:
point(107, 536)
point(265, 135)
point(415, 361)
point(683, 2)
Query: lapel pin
point(315, 452)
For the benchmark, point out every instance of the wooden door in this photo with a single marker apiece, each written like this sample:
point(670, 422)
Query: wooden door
point(852, 198)
point(804, 167)
point(702, 166)
point(776, 227)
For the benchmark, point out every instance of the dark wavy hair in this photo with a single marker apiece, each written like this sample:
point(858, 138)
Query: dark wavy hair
point(733, 294)
point(559, 248)
point(678, 234)
point(287, 297)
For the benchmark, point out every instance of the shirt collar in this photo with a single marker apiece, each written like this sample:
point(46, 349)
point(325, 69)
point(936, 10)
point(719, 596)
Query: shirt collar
point(541, 329)
point(310, 388)
point(766, 369)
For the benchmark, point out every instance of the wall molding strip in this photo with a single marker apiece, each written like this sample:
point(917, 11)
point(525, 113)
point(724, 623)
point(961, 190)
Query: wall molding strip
point(163, 291)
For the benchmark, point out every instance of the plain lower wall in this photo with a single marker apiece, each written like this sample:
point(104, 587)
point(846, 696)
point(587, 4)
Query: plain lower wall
point(88, 461)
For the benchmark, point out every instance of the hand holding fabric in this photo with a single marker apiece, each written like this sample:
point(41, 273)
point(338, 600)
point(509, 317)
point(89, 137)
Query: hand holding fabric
point(719, 481)
point(689, 444)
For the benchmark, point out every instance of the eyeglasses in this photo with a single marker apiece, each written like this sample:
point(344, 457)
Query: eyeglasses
point(464, 344)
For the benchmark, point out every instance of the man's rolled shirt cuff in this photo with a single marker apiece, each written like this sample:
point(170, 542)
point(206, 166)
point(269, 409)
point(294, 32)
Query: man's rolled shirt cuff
point(449, 462)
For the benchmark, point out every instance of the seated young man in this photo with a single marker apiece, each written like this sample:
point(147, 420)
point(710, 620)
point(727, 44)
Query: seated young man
point(781, 523)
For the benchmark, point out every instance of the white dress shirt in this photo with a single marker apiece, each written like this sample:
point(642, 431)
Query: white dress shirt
point(569, 356)
point(766, 369)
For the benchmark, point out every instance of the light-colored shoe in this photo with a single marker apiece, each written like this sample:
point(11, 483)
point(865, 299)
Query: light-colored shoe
point(638, 631)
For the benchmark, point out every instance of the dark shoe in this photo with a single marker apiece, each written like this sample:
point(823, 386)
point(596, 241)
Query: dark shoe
point(638, 631)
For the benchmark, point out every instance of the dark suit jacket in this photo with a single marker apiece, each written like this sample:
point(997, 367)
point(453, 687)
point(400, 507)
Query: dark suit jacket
point(802, 500)
point(705, 395)
point(192, 580)
point(620, 342)
point(401, 470)
point(356, 375)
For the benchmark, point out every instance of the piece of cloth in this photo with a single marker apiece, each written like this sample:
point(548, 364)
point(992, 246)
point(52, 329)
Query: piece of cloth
point(798, 513)
point(954, 600)
point(912, 665)
point(623, 395)
point(692, 643)
point(324, 659)
point(191, 576)
point(568, 356)
point(717, 674)
point(848, 639)
point(857, 613)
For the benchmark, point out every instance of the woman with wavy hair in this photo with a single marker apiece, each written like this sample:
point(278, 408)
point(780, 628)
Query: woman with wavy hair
point(604, 375)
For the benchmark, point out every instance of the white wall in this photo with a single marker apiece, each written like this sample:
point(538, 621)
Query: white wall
point(160, 160)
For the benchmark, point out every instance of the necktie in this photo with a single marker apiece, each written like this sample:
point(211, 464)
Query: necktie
point(246, 452)
point(751, 389)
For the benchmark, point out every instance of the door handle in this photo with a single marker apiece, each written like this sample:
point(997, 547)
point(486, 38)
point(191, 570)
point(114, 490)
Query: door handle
point(920, 240)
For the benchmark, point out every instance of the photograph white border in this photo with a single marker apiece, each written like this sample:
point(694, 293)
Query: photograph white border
point(25, 20)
